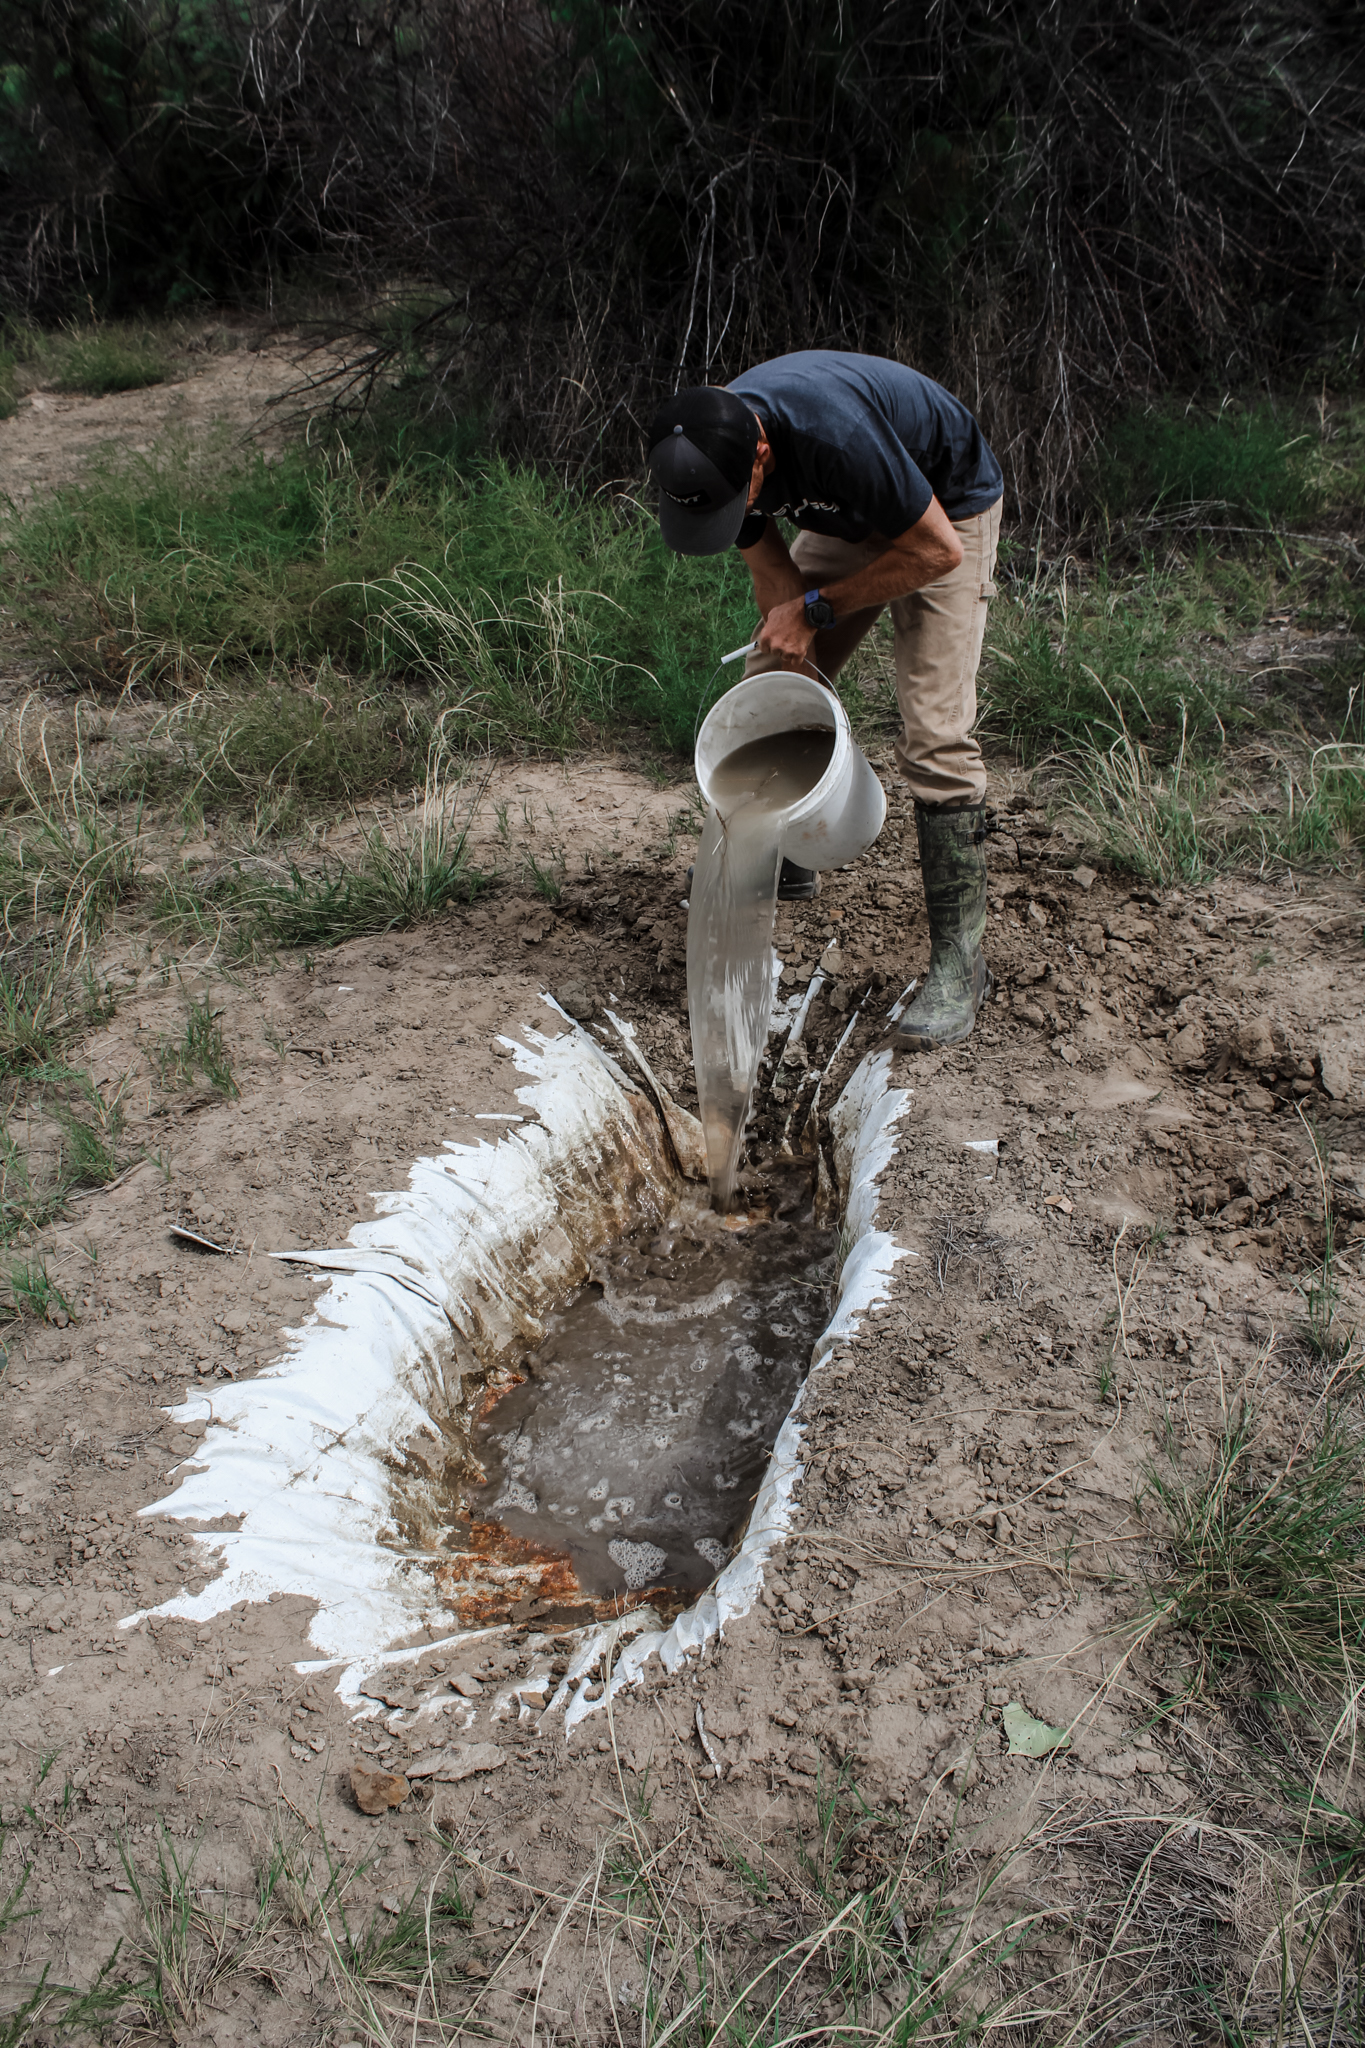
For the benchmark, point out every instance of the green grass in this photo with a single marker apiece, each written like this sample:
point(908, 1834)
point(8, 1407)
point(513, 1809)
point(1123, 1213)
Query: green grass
point(34, 1292)
point(1259, 466)
point(200, 1050)
point(1074, 656)
point(536, 616)
point(103, 358)
point(289, 752)
point(1268, 1553)
point(407, 870)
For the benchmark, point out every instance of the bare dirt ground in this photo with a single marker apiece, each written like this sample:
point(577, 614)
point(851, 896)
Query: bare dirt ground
point(972, 1530)
point(223, 381)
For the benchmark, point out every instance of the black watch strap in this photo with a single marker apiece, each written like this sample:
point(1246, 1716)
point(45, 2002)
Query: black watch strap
point(819, 611)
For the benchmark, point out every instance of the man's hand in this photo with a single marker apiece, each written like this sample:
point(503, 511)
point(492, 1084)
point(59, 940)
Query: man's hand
point(785, 633)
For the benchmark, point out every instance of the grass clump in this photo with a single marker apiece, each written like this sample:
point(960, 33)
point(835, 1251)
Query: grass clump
point(400, 878)
point(1154, 822)
point(104, 358)
point(201, 1050)
point(1324, 1332)
point(1268, 1553)
point(34, 1292)
point(412, 867)
point(1071, 660)
point(1249, 466)
point(66, 859)
point(287, 752)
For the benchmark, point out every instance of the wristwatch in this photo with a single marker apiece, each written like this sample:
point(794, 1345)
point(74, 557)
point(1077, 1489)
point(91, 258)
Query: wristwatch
point(819, 611)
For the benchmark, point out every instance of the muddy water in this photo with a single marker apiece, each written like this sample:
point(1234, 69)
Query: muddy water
point(729, 930)
point(639, 1440)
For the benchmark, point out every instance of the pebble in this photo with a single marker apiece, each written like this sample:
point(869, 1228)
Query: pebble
point(1336, 1075)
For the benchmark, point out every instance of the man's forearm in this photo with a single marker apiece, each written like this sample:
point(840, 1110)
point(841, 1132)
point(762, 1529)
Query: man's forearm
point(775, 576)
point(929, 550)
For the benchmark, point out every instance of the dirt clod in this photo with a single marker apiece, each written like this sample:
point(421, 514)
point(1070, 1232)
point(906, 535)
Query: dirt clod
point(376, 1791)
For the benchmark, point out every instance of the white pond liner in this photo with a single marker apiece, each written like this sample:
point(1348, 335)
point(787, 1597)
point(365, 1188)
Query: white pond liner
point(448, 1274)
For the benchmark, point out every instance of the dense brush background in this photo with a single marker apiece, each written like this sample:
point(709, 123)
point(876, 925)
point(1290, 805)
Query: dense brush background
point(1062, 210)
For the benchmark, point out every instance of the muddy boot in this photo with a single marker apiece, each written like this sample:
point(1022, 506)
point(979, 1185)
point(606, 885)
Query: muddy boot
point(952, 852)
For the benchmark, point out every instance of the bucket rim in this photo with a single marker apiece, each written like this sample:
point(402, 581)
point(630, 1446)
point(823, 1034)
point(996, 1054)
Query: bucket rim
point(839, 722)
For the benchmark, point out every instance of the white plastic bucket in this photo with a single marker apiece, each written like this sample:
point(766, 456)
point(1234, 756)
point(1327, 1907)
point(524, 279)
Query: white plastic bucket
point(842, 815)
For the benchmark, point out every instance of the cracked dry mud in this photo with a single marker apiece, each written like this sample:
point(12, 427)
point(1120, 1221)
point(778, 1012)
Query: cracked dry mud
point(968, 1531)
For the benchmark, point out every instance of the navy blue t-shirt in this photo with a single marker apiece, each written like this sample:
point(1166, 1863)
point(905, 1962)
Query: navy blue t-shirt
point(863, 443)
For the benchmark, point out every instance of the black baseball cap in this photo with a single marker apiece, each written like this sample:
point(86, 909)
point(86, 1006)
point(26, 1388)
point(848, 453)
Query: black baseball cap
point(701, 455)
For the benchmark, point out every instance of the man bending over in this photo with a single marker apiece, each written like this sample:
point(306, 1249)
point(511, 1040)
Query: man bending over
point(897, 500)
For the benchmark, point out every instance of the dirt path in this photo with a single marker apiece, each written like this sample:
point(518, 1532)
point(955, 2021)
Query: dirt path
point(1073, 1307)
point(222, 382)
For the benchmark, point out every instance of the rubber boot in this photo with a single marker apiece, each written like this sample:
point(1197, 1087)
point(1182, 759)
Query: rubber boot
point(952, 852)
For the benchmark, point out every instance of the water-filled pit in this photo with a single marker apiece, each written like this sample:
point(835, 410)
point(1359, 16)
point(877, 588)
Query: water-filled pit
point(456, 1349)
point(637, 1440)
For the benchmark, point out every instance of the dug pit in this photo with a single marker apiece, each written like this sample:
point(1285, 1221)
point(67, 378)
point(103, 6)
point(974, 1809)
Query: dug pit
point(635, 1443)
point(544, 1386)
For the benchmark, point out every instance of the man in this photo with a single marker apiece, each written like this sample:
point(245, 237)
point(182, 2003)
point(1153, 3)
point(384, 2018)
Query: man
point(897, 500)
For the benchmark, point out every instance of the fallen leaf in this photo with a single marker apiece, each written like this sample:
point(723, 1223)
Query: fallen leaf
point(377, 1791)
point(1029, 1737)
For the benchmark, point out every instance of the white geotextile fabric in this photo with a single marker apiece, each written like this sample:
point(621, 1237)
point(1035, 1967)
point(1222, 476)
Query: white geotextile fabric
point(299, 1454)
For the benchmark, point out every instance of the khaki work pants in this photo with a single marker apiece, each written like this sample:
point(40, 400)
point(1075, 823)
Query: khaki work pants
point(939, 631)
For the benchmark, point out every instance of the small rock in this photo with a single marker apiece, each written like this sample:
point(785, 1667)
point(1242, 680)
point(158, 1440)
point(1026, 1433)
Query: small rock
point(236, 1322)
point(578, 1000)
point(459, 1760)
point(1336, 1075)
point(1148, 1761)
point(22, 1603)
point(467, 1687)
point(1029, 1013)
point(1254, 1045)
point(1259, 1101)
point(959, 1765)
point(390, 1904)
point(1187, 1047)
point(1037, 916)
point(376, 1791)
point(1084, 878)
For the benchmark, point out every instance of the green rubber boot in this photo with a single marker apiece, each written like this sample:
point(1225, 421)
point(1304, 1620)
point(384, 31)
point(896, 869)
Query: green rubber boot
point(952, 852)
